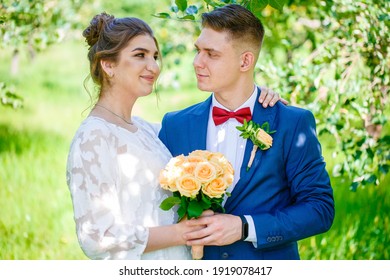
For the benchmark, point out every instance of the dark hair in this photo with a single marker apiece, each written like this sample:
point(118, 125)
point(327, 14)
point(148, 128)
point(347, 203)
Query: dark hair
point(240, 23)
point(107, 36)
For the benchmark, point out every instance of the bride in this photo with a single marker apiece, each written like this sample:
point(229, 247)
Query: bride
point(115, 159)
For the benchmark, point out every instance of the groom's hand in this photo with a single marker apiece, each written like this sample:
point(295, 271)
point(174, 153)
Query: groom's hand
point(219, 229)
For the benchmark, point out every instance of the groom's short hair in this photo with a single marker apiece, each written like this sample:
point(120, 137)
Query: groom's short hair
point(240, 23)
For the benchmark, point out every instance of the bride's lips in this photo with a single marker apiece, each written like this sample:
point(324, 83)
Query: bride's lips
point(148, 78)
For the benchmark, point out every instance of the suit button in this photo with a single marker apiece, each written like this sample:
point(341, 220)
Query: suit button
point(225, 255)
point(269, 239)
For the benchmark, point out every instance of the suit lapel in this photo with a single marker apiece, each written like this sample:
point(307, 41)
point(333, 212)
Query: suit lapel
point(197, 126)
point(260, 115)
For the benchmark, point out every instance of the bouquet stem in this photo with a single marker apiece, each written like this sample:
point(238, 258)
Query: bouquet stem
point(197, 252)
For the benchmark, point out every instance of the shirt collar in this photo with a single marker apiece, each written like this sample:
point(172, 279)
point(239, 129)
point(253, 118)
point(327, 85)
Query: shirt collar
point(250, 102)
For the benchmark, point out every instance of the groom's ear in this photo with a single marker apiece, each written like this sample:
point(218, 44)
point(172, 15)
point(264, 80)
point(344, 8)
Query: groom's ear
point(247, 61)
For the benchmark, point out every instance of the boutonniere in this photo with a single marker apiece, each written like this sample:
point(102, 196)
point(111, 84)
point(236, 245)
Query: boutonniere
point(259, 135)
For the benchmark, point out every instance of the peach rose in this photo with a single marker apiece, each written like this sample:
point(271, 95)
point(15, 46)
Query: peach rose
point(217, 157)
point(218, 168)
point(229, 168)
point(228, 177)
point(188, 185)
point(205, 172)
point(176, 161)
point(195, 159)
point(167, 181)
point(216, 188)
point(189, 167)
point(264, 138)
point(201, 153)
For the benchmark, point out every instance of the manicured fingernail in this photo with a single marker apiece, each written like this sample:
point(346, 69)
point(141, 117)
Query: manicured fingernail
point(261, 100)
point(272, 104)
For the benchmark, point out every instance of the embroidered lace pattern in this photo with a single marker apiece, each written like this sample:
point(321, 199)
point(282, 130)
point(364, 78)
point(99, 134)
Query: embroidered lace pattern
point(112, 176)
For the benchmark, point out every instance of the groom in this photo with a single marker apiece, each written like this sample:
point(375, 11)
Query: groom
point(286, 194)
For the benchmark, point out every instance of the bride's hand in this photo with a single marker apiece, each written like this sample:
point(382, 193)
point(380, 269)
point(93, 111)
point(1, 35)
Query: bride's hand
point(269, 97)
point(183, 227)
point(207, 213)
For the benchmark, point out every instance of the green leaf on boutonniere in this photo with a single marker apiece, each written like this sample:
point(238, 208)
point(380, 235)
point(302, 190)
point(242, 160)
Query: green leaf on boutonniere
point(259, 135)
point(265, 127)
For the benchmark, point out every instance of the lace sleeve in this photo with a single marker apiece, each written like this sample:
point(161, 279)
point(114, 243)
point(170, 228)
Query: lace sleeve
point(92, 179)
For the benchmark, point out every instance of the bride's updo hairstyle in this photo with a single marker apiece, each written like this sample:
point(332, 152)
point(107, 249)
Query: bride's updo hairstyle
point(107, 36)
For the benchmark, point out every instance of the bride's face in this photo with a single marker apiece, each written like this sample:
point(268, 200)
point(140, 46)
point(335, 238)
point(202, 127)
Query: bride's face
point(137, 69)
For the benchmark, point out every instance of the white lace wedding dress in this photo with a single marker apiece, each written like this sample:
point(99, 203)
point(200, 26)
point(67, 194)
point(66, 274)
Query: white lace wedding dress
point(112, 175)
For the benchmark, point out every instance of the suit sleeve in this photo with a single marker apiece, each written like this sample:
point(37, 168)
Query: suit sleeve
point(311, 210)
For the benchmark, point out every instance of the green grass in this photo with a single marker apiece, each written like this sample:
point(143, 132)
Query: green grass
point(361, 227)
point(36, 220)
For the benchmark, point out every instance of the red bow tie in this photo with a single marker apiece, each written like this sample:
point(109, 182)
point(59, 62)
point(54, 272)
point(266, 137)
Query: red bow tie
point(221, 115)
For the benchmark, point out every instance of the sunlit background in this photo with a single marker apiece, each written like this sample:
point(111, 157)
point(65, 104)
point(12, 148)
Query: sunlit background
point(329, 58)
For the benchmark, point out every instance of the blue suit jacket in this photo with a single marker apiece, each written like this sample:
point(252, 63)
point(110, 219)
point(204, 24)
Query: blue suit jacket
point(287, 190)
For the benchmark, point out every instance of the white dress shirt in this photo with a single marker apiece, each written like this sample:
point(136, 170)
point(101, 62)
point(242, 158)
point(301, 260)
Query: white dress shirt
point(225, 138)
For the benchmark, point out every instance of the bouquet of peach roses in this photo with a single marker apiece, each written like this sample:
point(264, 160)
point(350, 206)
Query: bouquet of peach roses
point(199, 182)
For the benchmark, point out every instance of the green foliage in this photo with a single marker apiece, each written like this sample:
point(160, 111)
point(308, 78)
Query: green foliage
point(33, 25)
point(257, 6)
point(182, 10)
point(192, 207)
point(181, 4)
point(335, 62)
point(37, 220)
point(360, 230)
point(8, 97)
point(170, 202)
point(36, 23)
point(129, 8)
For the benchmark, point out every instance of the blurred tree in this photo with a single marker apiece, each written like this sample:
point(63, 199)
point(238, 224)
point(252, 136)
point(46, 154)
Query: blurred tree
point(331, 57)
point(32, 25)
point(336, 62)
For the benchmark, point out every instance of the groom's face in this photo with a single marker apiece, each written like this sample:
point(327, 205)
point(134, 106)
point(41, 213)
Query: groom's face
point(217, 62)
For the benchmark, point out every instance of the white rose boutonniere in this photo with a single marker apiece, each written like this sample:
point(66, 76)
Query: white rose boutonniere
point(259, 135)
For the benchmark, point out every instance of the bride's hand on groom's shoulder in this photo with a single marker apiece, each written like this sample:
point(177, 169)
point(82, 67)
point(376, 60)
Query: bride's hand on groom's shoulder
point(270, 97)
